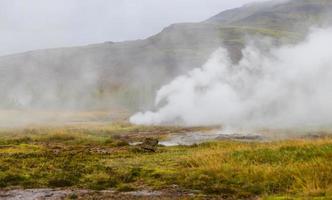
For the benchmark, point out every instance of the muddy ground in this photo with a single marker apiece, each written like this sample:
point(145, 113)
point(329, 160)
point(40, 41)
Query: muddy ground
point(53, 194)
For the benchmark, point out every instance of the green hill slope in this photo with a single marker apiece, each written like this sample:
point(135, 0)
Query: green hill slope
point(127, 74)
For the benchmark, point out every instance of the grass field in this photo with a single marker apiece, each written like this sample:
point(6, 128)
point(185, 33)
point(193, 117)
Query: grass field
point(99, 158)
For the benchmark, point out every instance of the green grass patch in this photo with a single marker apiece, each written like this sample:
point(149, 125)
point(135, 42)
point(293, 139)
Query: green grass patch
point(102, 159)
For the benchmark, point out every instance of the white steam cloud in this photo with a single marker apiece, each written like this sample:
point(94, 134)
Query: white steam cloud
point(284, 87)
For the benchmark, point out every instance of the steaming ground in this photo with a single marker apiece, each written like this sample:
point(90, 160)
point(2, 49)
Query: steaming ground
point(285, 87)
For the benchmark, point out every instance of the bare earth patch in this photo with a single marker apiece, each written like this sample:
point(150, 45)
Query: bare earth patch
point(54, 194)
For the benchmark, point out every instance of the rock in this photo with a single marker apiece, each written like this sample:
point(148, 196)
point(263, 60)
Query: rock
point(149, 144)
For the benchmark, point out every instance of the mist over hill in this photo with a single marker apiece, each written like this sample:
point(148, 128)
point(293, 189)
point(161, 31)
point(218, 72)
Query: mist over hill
point(128, 74)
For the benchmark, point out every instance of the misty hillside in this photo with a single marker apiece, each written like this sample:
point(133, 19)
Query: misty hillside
point(120, 74)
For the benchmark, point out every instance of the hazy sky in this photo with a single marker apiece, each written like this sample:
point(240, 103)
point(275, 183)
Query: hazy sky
point(35, 24)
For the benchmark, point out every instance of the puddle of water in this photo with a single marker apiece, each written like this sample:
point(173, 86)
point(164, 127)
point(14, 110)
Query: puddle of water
point(52, 194)
point(144, 193)
point(135, 143)
point(188, 139)
point(32, 194)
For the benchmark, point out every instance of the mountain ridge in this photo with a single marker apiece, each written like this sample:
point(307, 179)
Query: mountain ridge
point(127, 74)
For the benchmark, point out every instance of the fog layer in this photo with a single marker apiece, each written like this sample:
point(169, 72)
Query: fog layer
point(39, 24)
point(285, 87)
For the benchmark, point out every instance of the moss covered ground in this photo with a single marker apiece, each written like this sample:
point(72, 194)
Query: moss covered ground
point(100, 157)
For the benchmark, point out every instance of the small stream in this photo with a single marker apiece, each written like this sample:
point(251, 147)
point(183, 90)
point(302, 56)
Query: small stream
point(192, 138)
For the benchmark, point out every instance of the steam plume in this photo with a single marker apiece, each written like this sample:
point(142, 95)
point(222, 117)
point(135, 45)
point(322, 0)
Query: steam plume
point(285, 87)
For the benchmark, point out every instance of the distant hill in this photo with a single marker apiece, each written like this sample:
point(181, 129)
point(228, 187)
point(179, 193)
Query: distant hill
point(127, 74)
point(281, 15)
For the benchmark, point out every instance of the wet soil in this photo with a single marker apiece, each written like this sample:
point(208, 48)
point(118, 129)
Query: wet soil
point(53, 194)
